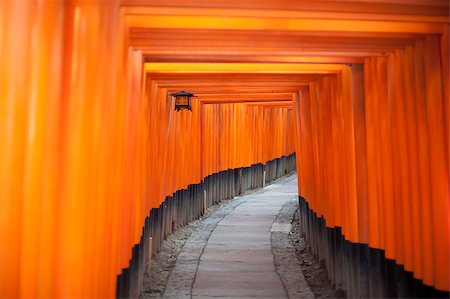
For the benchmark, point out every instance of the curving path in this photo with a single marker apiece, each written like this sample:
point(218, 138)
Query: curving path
point(242, 250)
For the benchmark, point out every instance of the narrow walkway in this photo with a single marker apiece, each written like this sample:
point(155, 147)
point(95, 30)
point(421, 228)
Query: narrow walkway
point(233, 253)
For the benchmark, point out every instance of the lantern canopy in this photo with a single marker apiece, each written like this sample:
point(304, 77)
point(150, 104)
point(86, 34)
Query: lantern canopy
point(183, 100)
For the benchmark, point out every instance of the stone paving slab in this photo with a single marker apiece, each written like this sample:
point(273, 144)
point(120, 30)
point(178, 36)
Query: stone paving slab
point(239, 237)
point(236, 267)
point(247, 220)
point(233, 284)
point(243, 256)
point(261, 207)
point(255, 212)
point(236, 296)
point(239, 246)
point(240, 229)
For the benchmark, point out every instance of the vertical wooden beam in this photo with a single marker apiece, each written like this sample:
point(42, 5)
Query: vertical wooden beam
point(440, 192)
point(357, 73)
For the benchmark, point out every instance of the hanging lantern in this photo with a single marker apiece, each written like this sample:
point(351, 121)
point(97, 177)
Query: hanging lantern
point(183, 100)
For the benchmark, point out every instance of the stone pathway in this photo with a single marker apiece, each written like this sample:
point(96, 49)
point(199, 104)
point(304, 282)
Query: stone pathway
point(243, 250)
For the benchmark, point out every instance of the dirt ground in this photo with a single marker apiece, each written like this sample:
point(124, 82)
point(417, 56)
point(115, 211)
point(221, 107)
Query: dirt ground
point(155, 279)
point(315, 275)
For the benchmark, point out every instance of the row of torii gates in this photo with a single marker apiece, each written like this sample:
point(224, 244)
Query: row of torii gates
point(92, 143)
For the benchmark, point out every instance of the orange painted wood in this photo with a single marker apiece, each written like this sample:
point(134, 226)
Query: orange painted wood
point(91, 142)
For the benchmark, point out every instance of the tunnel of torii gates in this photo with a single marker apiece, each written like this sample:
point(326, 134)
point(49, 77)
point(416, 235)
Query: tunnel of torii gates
point(91, 143)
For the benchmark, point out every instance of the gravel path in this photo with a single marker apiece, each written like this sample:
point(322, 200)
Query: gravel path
point(243, 247)
point(286, 262)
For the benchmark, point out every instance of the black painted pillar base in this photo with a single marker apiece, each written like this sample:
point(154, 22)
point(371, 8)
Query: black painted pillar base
point(361, 271)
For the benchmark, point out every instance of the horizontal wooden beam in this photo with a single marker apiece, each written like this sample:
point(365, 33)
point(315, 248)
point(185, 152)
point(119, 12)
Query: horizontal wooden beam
point(347, 10)
point(285, 24)
point(247, 101)
point(187, 68)
point(150, 56)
